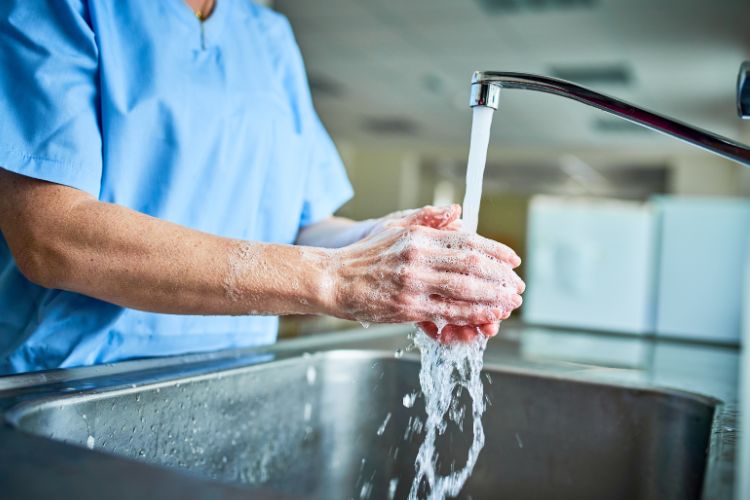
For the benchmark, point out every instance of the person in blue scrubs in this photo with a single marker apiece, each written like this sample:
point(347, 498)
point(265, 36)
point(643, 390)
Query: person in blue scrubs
point(167, 187)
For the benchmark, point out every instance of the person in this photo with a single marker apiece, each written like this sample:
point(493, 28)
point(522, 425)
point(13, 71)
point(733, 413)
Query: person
point(166, 187)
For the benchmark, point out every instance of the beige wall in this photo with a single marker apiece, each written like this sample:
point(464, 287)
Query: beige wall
point(388, 178)
point(383, 180)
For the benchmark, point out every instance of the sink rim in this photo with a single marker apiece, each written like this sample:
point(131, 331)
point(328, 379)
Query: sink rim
point(16, 412)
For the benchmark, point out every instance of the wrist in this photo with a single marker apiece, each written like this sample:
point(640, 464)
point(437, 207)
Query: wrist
point(365, 228)
point(322, 280)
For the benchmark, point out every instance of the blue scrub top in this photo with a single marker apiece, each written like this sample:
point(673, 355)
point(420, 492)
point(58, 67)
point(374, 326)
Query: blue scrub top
point(132, 103)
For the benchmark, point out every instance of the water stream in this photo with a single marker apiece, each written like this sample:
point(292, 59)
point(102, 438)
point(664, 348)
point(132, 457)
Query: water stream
point(448, 370)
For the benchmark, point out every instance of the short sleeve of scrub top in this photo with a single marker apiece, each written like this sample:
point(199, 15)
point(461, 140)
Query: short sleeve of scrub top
point(326, 187)
point(48, 94)
point(131, 103)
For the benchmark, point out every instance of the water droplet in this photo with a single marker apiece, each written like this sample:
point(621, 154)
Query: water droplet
point(392, 485)
point(381, 429)
point(311, 375)
point(409, 399)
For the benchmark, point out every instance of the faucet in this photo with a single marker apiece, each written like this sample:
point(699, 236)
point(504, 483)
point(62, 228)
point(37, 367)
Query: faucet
point(486, 85)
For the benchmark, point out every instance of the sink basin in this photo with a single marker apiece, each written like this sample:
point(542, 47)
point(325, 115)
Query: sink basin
point(313, 427)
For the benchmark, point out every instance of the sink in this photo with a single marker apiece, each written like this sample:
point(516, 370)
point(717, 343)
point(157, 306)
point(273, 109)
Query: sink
point(313, 427)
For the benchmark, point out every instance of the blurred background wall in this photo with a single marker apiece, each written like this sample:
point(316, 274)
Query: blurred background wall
point(390, 80)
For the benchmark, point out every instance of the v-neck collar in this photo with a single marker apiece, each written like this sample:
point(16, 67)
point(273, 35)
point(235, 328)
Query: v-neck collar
point(211, 27)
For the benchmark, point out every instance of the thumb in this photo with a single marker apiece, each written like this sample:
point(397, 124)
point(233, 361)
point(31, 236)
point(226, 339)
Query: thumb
point(435, 217)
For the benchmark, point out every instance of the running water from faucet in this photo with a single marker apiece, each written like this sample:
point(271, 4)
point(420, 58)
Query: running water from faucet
point(449, 369)
point(480, 140)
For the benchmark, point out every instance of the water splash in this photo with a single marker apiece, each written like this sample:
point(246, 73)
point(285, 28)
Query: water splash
point(446, 370)
point(381, 430)
point(409, 399)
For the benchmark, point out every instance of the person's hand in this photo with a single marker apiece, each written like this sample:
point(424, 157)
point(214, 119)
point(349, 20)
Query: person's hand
point(415, 267)
point(446, 218)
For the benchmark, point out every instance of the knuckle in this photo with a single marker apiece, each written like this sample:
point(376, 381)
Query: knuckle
point(401, 274)
point(410, 251)
point(405, 301)
point(410, 254)
point(476, 316)
point(472, 260)
point(409, 279)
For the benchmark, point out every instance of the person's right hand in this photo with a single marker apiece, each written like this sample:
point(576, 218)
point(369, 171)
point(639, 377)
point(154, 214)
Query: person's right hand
point(408, 272)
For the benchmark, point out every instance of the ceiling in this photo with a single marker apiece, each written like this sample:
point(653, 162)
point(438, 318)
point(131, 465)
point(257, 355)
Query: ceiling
point(399, 70)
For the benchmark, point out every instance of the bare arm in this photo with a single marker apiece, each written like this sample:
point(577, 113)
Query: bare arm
point(63, 238)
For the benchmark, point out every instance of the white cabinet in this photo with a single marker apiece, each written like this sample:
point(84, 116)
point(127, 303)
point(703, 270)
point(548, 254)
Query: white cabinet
point(704, 243)
point(591, 264)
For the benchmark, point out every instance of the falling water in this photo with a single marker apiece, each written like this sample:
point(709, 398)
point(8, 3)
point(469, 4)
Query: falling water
point(447, 370)
point(480, 139)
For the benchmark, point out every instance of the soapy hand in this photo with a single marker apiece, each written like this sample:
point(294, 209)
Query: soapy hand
point(416, 266)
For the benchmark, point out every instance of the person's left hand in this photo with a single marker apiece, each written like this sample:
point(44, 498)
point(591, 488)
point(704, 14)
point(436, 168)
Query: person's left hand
point(445, 218)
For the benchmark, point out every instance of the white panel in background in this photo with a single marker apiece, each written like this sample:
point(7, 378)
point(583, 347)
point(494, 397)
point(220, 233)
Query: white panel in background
point(703, 249)
point(590, 264)
point(743, 459)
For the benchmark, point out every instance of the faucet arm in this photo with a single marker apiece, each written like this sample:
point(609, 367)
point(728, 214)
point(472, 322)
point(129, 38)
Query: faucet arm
point(486, 85)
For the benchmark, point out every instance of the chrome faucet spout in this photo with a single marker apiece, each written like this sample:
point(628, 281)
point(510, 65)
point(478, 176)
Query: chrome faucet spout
point(486, 87)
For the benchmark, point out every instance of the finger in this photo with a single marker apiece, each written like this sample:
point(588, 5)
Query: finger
point(458, 240)
point(401, 214)
point(462, 313)
point(435, 217)
point(455, 333)
point(456, 225)
point(490, 329)
point(494, 249)
point(496, 274)
point(429, 328)
point(461, 287)
point(449, 333)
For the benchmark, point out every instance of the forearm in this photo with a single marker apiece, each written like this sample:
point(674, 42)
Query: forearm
point(335, 232)
point(140, 262)
point(133, 260)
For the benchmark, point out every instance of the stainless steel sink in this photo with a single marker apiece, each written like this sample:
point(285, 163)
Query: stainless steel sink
point(308, 426)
